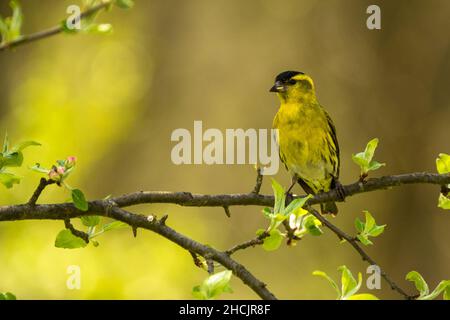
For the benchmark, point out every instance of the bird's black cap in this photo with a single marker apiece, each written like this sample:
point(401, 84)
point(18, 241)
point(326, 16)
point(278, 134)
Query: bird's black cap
point(285, 76)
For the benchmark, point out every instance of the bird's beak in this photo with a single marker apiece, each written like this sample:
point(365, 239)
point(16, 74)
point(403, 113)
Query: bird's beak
point(278, 87)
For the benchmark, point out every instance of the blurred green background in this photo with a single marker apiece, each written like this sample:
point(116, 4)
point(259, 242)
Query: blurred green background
point(114, 100)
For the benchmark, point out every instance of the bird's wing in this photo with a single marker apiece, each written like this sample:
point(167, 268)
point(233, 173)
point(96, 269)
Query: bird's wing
point(335, 145)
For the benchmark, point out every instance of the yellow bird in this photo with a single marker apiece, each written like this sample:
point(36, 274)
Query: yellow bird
point(307, 140)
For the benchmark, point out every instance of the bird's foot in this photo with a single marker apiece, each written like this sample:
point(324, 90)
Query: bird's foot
point(340, 190)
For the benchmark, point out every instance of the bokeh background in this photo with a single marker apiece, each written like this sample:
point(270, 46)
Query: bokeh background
point(114, 100)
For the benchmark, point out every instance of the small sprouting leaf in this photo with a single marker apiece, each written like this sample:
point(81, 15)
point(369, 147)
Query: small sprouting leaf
point(267, 212)
point(66, 240)
point(365, 159)
point(443, 163)
point(79, 200)
point(7, 296)
point(419, 282)
point(363, 296)
point(359, 225)
point(37, 168)
point(12, 160)
point(23, 145)
point(364, 239)
point(125, 4)
point(443, 286)
point(113, 226)
point(331, 281)
point(349, 286)
point(213, 286)
point(3, 30)
point(370, 149)
point(15, 24)
point(5, 144)
point(280, 197)
point(90, 221)
point(273, 241)
point(9, 179)
point(312, 224)
point(296, 206)
point(375, 165)
point(102, 28)
point(367, 229)
point(444, 202)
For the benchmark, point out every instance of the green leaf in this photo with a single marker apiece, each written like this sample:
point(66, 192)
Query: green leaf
point(443, 163)
point(419, 282)
point(213, 286)
point(102, 28)
point(267, 212)
point(370, 222)
point(7, 296)
point(280, 197)
point(273, 241)
point(79, 200)
point(113, 226)
point(312, 224)
point(66, 240)
point(9, 179)
point(443, 202)
point(349, 286)
point(331, 281)
point(296, 205)
point(447, 293)
point(363, 296)
point(443, 286)
point(5, 143)
point(125, 4)
point(15, 25)
point(3, 30)
point(370, 149)
point(37, 168)
point(375, 165)
point(377, 230)
point(90, 221)
point(359, 225)
point(365, 159)
point(23, 145)
point(14, 159)
point(367, 229)
point(364, 239)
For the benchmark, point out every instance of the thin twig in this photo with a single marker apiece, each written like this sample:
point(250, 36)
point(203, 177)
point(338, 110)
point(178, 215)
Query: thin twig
point(354, 243)
point(251, 243)
point(53, 30)
point(37, 193)
point(75, 232)
point(259, 181)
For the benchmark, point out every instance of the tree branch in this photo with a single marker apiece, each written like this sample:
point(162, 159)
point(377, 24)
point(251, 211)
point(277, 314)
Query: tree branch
point(251, 199)
point(54, 30)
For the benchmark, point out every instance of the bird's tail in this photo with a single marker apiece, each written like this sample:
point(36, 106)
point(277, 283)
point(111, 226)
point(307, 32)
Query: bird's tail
point(329, 208)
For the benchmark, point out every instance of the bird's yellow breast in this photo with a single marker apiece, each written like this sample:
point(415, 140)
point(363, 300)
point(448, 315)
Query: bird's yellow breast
point(303, 138)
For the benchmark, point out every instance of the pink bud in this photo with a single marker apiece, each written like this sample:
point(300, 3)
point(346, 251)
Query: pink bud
point(60, 170)
point(71, 160)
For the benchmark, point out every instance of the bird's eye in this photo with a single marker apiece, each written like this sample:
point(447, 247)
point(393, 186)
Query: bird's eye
point(292, 82)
